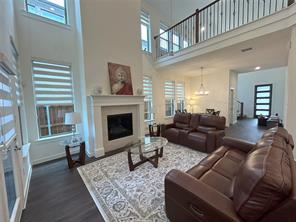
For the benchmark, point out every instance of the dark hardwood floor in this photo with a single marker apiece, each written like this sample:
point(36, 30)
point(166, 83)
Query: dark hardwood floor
point(59, 194)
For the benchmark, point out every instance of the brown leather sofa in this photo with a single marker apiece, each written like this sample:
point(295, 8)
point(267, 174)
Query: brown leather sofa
point(198, 131)
point(239, 182)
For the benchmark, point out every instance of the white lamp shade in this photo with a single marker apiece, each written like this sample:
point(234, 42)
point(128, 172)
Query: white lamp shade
point(72, 118)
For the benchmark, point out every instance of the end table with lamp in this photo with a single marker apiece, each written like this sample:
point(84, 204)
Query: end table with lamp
point(75, 141)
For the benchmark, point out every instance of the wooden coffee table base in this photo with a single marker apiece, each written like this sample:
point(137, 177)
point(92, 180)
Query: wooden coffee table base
point(143, 159)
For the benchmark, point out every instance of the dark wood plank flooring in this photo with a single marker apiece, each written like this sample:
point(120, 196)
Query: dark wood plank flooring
point(59, 194)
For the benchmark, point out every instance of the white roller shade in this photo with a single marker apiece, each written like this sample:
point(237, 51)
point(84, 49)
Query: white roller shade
point(147, 87)
point(169, 89)
point(7, 123)
point(180, 91)
point(52, 83)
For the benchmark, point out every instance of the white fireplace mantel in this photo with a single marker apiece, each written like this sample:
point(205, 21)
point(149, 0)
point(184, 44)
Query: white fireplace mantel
point(95, 105)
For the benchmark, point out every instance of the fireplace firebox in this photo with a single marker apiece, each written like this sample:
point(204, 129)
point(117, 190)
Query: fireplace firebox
point(120, 125)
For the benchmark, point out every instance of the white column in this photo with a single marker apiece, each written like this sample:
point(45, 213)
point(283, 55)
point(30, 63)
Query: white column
point(290, 121)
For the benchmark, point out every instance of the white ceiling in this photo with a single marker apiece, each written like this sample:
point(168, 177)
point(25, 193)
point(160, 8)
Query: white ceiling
point(268, 52)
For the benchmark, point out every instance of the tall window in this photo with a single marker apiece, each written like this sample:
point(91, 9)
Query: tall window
point(7, 121)
point(51, 9)
point(147, 89)
point(180, 93)
point(169, 93)
point(164, 38)
point(145, 32)
point(176, 42)
point(53, 97)
point(263, 98)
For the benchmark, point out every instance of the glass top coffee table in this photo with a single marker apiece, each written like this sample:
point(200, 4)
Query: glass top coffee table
point(142, 148)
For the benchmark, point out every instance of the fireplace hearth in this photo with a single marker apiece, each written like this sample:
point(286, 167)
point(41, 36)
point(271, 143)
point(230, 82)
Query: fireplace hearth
point(119, 126)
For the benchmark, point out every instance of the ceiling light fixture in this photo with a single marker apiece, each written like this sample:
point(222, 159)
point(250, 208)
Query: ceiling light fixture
point(258, 68)
point(202, 91)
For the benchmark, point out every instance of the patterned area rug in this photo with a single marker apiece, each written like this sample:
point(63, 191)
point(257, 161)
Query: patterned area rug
point(121, 195)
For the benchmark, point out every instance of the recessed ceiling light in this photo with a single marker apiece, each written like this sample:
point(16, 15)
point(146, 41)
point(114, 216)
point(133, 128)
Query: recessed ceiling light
point(258, 68)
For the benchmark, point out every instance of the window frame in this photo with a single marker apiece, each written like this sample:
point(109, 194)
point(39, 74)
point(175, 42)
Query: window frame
point(48, 106)
point(66, 17)
point(268, 97)
point(148, 101)
point(146, 23)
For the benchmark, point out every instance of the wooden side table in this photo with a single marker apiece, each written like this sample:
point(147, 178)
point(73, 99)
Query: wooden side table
point(80, 160)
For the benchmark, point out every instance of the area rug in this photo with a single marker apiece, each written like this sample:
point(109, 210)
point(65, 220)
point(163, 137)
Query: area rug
point(121, 195)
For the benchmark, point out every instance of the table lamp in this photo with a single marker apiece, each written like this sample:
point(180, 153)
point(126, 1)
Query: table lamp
point(73, 119)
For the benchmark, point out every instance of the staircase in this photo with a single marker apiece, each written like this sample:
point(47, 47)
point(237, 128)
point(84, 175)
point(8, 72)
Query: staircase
point(215, 19)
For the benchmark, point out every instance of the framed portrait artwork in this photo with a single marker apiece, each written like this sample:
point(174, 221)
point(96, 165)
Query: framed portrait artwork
point(120, 79)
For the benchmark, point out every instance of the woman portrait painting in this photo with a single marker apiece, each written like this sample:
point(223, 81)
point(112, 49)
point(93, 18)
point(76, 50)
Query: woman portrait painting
point(120, 79)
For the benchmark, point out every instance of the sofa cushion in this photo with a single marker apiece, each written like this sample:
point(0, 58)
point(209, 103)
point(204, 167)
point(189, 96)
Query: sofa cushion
point(197, 139)
point(182, 118)
point(213, 121)
point(172, 134)
point(263, 182)
point(219, 169)
point(194, 121)
point(205, 129)
point(181, 125)
point(278, 131)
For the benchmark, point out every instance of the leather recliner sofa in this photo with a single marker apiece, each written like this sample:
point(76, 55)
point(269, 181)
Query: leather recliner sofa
point(239, 182)
point(201, 132)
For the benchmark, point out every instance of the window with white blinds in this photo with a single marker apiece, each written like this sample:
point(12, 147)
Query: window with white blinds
point(147, 91)
point(7, 122)
point(53, 97)
point(180, 94)
point(169, 93)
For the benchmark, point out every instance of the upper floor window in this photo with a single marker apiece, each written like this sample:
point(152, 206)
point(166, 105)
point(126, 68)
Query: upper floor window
point(53, 97)
point(51, 9)
point(176, 42)
point(145, 32)
point(147, 90)
point(164, 38)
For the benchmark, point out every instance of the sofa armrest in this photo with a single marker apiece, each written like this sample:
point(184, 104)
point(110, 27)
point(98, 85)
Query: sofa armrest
point(239, 144)
point(188, 199)
point(164, 127)
point(214, 140)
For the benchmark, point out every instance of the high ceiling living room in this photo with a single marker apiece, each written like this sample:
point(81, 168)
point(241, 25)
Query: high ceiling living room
point(147, 110)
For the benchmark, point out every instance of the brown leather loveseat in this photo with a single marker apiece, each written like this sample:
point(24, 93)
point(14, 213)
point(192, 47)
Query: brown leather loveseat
point(198, 131)
point(239, 182)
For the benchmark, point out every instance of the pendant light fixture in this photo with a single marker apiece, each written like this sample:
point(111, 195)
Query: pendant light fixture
point(202, 90)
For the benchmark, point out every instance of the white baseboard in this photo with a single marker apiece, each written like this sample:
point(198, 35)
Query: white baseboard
point(53, 157)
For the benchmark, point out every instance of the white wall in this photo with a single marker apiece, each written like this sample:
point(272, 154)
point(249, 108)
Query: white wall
point(218, 86)
point(111, 33)
point(291, 91)
point(7, 27)
point(246, 87)
point(42, 39)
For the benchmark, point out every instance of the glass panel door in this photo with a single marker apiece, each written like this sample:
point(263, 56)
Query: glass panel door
point(9, 181)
